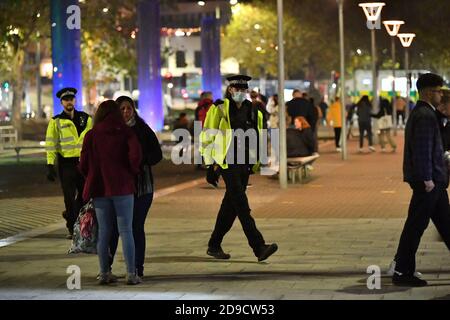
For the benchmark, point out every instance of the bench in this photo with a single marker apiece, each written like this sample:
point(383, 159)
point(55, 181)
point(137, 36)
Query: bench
point(297, 167)
point(8, 134)
point(18, 148)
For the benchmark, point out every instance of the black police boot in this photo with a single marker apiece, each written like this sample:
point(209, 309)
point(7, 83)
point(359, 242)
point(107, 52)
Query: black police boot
point(218, 253)
point(407, 280)
point(266, 251)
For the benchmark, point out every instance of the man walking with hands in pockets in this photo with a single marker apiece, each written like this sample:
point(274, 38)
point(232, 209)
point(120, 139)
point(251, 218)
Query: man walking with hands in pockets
point(425, 170)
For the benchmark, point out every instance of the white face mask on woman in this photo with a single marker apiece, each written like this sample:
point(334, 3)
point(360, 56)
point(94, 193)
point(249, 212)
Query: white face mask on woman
point(239, 96)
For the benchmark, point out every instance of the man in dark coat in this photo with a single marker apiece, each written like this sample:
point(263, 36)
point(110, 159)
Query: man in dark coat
point(426, 172)
point(301, 107)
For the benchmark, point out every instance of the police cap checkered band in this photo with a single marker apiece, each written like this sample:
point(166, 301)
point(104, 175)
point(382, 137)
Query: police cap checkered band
point(66, 92)
point(238, 82)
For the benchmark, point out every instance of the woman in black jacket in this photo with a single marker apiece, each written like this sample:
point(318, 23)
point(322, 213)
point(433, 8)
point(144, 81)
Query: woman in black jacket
point(151, 155)
point(300, 141)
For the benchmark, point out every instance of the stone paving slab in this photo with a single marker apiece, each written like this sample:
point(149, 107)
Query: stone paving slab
point(178, 268)
point(346, 218)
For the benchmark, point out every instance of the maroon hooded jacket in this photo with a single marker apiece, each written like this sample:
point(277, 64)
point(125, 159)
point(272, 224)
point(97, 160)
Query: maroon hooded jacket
point(110, 159)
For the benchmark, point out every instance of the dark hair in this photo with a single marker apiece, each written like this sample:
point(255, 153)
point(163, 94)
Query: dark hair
point(205, 94)
point(228, 94)
point(254, 94)
point(105, 109)
point(429, 80)
point(295, 91)
point(364, 99)
point(304, 95)
point(123, 99)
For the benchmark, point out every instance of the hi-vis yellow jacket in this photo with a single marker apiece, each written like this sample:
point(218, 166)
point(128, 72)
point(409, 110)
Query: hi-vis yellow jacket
point(62, 136)
point(216, 136)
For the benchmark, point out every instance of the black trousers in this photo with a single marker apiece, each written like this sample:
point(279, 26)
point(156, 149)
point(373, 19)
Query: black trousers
point(337, 137)
point(400, 113)
point(142, 205)
point(235, 204)
point(72, 183)
point(424, 206)
point(365, 127)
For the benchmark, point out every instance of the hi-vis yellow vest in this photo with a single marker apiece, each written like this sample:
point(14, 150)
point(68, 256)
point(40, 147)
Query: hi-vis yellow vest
point(216, 136)
point(62, 137)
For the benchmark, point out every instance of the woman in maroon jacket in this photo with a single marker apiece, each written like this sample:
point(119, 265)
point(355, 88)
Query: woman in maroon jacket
point(109, 160)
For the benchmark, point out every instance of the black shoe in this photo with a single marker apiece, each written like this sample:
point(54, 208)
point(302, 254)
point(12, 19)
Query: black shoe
point(217, 253)
point(64, 215)
point(266, 251)
point(407, 280)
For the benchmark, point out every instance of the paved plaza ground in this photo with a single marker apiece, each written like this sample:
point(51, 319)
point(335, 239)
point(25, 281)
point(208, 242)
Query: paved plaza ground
point(347, 217)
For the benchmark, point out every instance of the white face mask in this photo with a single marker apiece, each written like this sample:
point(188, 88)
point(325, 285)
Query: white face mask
point(239, 96)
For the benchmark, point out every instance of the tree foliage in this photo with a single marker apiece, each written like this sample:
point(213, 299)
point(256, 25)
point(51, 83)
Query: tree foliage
point(252, 39)
point(22, 23)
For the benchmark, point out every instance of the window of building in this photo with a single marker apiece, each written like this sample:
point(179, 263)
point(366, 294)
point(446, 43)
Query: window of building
point(198, 59)
point(181, 59)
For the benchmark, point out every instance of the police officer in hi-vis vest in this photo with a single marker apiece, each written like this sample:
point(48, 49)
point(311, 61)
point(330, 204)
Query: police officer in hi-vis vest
point(222, 146)
point(64, 139)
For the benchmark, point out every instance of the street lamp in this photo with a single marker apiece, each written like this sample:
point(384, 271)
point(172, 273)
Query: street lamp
point(342, 78)
point(406, 39)
point(372, 11)
point(281, 104)
point(393, 27)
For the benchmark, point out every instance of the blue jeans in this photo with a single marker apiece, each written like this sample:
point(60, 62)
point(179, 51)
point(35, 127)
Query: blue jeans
point(106, 210)
point(142, 206)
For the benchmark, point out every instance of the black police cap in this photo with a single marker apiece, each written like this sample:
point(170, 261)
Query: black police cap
point(66, 92)
point(239, 81)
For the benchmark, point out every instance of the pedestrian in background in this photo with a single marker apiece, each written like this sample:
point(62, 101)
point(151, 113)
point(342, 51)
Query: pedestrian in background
point(400, 105)
point(274, 112)
point(300, 107)
point(334, 118)
point(384, 117)
point(443, 112)
point(110, 160)
point(315, 127)
point(365, 122)
point(206, 101)
point(258, 104)
point(324, 108)
point(300, 140)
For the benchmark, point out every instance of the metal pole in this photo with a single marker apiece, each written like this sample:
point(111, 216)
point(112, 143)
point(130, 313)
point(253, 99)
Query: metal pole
point(38, 78)
point(282, 108)
point(343, 107)
point(408, 88)
point(374, 74)
point(394, 94)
